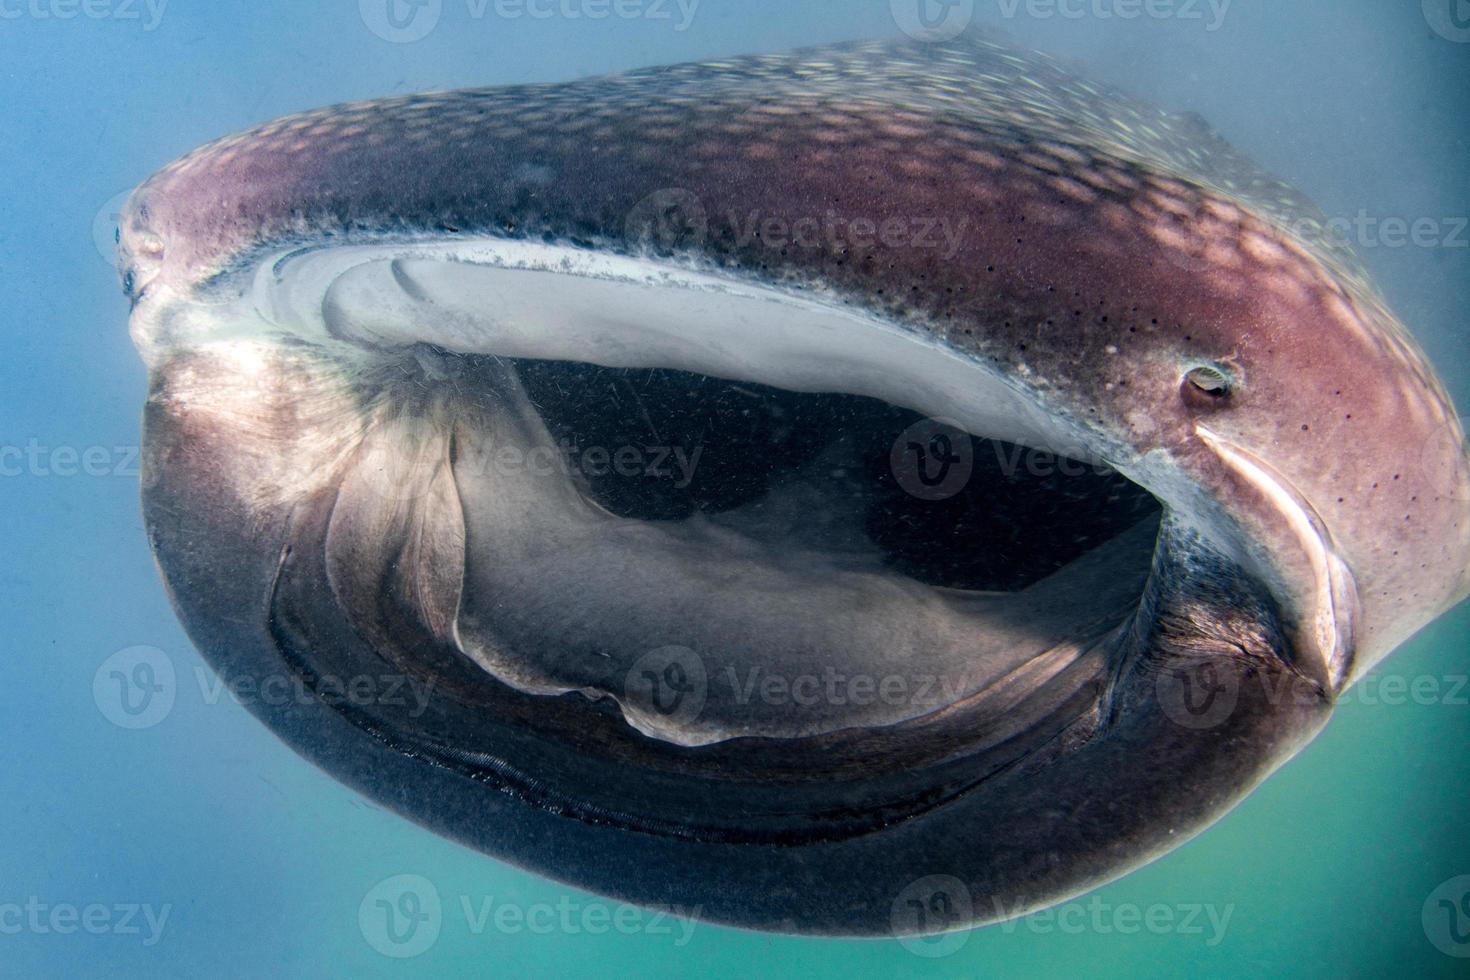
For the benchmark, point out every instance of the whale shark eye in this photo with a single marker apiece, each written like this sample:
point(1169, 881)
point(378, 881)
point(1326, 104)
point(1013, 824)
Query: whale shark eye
point(1209, 380)
point(637, 480)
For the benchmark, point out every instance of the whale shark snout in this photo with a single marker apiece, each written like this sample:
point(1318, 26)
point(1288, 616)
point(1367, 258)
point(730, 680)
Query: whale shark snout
point(790, 478)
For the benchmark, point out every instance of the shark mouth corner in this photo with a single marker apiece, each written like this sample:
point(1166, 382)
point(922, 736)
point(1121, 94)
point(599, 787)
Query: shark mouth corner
point(691, 502)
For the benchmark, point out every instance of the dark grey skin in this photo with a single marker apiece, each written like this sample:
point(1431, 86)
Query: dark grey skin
point(1120, 272)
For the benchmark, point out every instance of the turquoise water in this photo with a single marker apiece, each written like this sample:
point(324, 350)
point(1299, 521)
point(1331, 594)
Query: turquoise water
point(199, 845)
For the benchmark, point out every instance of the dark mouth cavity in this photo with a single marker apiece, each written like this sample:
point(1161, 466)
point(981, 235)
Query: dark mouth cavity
point(792, 533)
point(833, 472)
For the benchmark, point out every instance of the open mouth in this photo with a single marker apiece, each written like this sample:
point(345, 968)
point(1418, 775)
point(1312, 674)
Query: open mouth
point(817, 569)
point(846, 479)
point(772, 540)
point(615, 501)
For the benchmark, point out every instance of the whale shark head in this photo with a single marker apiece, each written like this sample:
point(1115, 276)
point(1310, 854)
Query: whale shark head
point(783, 480)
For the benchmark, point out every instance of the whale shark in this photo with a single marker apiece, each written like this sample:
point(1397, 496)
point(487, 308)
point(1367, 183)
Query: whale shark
point(875, 490)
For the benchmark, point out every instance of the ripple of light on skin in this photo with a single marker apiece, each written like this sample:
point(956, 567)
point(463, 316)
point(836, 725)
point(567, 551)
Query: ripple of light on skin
point(1076, 190)
point(1173, 205)
point(1262, 249)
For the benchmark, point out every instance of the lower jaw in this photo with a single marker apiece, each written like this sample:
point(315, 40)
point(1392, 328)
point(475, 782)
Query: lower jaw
point(1051, 761)
point(596, 607)
point(1118, 778)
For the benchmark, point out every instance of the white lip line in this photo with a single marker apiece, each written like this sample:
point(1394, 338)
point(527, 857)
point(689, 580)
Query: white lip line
point(298, 308)
point(1331, 618)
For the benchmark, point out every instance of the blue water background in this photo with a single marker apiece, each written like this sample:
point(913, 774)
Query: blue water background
point(263, 861)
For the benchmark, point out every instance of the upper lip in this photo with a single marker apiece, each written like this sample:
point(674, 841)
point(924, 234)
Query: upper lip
point(140, 259)
point(1325, 604)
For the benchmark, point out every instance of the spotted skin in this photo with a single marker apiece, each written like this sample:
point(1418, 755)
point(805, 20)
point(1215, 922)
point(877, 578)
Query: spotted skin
point(1105, 244)
point(1102, 249)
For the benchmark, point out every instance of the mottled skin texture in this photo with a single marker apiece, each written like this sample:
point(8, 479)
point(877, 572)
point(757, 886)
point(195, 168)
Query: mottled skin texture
point(1106, 249)
point(1071, 218)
